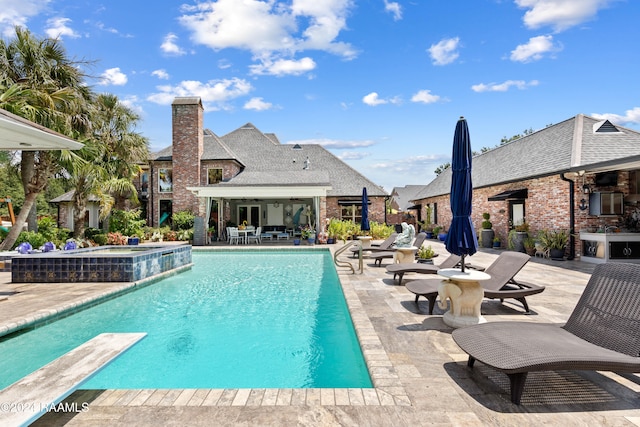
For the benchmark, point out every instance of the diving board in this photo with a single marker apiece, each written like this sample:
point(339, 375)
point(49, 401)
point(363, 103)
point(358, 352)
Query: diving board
point(28, 398)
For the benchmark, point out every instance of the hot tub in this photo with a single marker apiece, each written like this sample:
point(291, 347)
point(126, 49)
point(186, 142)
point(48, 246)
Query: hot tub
point(99, 264)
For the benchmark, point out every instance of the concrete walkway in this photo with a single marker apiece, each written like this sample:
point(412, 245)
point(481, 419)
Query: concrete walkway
point(420, 374)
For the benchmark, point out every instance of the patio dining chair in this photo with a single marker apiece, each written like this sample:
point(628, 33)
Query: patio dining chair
point(256, 236)
point(234, 236)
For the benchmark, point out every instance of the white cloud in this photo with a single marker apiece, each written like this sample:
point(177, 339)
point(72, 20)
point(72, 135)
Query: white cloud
point(425, 96)
point(279, 30)
point(113, 76)
point(257, 104)
point(133, 102)
point(283, 67)
point(161, 74)
point(559, 14)
point(630, 117)
point(445, 51)
point(503, 87)
point(57, 27)
point(214, 93)
point(374, 99)
point(169, 45)
point(353, 155)
point(14, 13)
point(333, 144)
point(410, 164)
point(534, 49)
point(394, 8)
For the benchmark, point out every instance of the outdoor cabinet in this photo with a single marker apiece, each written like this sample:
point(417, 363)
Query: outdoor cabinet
point(601, 204)
point(622, 250)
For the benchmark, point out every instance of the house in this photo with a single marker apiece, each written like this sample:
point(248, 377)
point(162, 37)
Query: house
point(248, 175)
point(403, 208)
point(556, 178)
point(66, 207)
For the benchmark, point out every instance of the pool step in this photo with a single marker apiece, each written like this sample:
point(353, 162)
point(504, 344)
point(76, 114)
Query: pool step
point(27, 399)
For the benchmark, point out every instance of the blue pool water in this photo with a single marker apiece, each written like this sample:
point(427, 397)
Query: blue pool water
point(249, 319)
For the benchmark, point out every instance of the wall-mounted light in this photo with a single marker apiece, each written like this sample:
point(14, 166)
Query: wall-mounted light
point(583, 205)
point(586, 188)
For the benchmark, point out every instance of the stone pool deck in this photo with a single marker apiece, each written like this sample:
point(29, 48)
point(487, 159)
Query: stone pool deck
point(420, 374)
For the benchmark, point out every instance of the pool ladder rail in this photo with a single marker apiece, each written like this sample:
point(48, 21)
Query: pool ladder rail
point(343, 263)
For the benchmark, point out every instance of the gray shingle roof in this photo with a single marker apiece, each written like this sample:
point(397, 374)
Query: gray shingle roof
point(268, 162)
point(571, 145)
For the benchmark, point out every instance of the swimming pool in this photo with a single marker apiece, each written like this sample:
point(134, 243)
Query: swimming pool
point(237, 319)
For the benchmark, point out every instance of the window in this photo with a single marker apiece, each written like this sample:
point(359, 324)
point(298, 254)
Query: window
point(214, 175)
point(165, 180)
point(351, 212)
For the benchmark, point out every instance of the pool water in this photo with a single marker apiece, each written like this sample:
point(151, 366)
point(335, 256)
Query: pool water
point(237, 319)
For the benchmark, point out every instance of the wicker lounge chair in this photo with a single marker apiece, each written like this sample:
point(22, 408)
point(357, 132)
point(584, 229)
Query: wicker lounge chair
point(602, 333)
point(385, 245)
point(379, 256)
point(399, 270)
point(502, 284)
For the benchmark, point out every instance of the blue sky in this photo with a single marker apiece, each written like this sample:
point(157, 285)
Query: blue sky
point(380, 83)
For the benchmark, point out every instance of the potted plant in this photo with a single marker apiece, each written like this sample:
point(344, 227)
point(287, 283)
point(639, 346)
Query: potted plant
point(487, 233)
point(212, 233)
point(426, 254)
point(556, 241)
point(517, 236)
point(529, 245)
point(436, 230)
point(442, 234)
point(496, 242)
point(333, 230)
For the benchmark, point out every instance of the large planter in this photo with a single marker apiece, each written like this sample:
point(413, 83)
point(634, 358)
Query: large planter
point(556, 254)
point(429, 234)
point(331, 241)
point(296, 241)
point(487, 235)
point(442, 236)
point(518, 240)
point(133, 241)
point(425, 260)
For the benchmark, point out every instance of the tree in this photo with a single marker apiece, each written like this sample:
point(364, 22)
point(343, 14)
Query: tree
point(442, 168)
point(40, 83)
point(111, 160)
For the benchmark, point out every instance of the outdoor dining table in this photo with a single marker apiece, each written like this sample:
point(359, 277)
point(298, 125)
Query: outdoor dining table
point(246, 232)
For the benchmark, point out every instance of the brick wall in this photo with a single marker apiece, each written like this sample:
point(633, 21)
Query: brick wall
point(188, 142)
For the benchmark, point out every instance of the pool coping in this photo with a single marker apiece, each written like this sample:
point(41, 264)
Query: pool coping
point(387, 388)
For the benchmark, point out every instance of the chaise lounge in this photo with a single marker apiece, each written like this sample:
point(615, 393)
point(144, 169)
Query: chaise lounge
point(399, 270)
point(602, 333)
point(390, 253)
point(501, 285)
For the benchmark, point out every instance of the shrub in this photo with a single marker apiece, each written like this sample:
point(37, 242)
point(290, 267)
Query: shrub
point(34, 239)
point(183, 220)
point(116, 239)
point(100, 239)
point(127, 223)
point(486, 224)
point(91, 232)
point(48, 228)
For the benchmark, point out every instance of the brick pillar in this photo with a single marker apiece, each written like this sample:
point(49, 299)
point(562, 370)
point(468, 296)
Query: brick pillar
point(188, 141)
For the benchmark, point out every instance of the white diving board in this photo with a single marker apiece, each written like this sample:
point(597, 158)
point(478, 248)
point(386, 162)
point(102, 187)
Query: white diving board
point(28, 398)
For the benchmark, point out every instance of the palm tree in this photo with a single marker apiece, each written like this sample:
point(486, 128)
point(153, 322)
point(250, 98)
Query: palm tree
point(112, 156)
point(40, 83)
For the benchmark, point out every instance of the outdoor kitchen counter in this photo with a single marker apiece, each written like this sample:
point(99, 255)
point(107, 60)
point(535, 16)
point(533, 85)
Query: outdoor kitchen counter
point(604, 247)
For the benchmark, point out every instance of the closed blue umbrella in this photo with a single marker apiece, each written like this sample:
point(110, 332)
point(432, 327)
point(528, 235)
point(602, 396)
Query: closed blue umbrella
point(364, 221)
point(461, 238)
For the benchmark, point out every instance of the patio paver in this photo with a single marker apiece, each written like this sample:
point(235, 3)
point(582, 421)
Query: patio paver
point(420, 377)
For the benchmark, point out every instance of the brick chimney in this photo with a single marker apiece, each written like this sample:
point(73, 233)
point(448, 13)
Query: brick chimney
point(188, 142)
